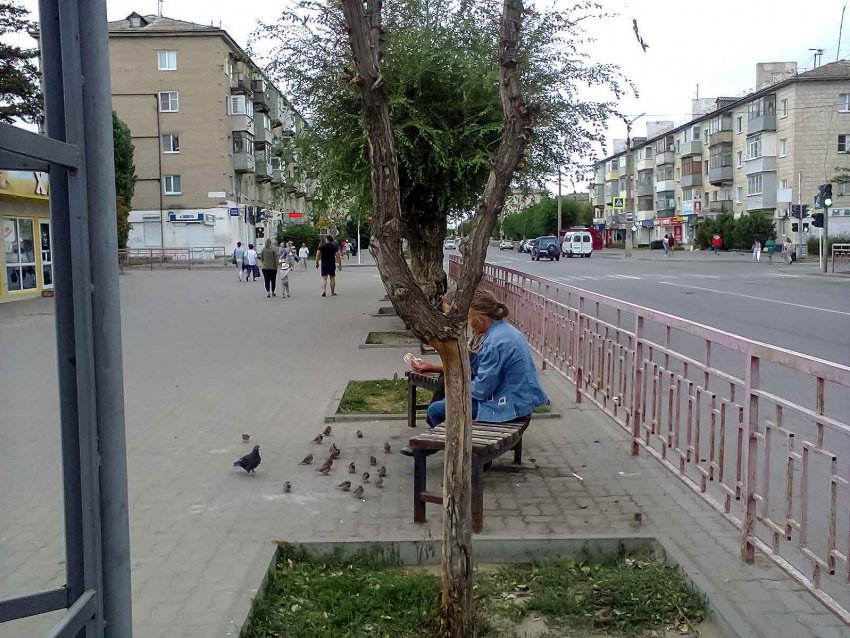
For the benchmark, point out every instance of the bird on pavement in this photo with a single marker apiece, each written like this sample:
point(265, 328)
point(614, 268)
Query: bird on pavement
point(250, 461)
point(287, 487)
point(327, 431)
point(334, 452)
point(345, 486)
point(637, 519)
point(387, 448)
point(373, 461)
point(358, 493)
point(306, 460)
point(359, 434)
point(365, 477)
point(325, 470)
point(351, 468)
point(246, 438)
point(379, 482)
point(318, 438)
point(382, 472)
point(326, 467)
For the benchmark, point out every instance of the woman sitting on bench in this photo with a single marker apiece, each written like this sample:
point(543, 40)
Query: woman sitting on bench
point(506, 386)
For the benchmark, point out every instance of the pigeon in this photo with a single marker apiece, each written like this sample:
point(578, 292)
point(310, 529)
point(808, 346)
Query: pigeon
point(318, 438)
point(382, 472)
point(250, 461)
point(327, 431)
point(351, 468)
point(326, 467)
point(345, 486)
point(359, 434)
point(387, 448)
point(358, 493)
point(335, 452)
point(379, 482)
point(246, 438)
point(365, 477)
point(637, 519)
point(306, 460)
point(373, 461)
point(325, 470)
point(287, 487)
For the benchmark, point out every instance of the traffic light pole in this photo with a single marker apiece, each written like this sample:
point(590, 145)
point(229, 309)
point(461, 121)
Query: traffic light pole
point(824, 262)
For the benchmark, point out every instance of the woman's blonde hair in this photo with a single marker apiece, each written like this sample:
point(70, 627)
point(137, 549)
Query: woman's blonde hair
point(484, 303)
point(268, 242)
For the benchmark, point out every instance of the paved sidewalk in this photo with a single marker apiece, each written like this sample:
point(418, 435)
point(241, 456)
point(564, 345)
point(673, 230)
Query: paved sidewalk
point(207, 358)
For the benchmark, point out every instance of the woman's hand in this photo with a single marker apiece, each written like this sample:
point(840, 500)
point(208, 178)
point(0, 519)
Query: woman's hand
point(424, 366)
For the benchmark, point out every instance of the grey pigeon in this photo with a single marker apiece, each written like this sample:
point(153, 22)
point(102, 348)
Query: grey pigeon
point(287, 487)
point(327, 431)
point(359, 434)
point(306, 460)
point(358, 493)
point(250, 461)
point(318, 438)
point(246, 438)
point(326, 467)
point(387, 448)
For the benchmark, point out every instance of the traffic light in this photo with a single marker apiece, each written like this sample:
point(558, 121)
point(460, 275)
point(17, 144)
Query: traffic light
point(827, 195)
point(817, 220)
point(261, 232)
point(795, 227)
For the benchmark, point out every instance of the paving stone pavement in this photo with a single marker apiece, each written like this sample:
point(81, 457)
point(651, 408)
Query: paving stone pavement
point(208, 358)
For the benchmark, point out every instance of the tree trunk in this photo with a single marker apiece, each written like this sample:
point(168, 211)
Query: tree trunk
point(456, 598)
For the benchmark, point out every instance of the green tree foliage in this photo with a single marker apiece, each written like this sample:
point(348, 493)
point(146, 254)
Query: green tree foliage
point(542, 218)
point(125, 177)
point(737, 234)
point(299, 234)
point(20, 93)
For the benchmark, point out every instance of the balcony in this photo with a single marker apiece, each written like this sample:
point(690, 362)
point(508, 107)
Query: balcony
point(765, 163)
point(646, 164)
point(644, 189)
point(693, 179)
point(645, 215)
point(263, 169)
point(262, 101)
point(717, 208)
point(665, 204)
point(243, 162)
point(721, 137)
point(693, 147)
point(240, 84)
point(610, 176)
point(668, 157)
point(766, 122)
point(242, 123)
point(720, 176)
point(664, 186)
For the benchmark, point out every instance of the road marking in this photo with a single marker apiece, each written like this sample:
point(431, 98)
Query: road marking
point(622, 277)
point(706, 276)
point(737, 294)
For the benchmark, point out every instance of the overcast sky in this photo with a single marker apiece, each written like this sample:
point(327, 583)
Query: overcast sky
point(713, 43)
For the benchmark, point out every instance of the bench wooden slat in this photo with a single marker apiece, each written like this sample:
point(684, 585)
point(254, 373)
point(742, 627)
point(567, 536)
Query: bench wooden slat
point(430, 497)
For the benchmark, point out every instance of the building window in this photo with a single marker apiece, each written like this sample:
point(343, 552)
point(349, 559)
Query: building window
point(739, 126)
point(687, 194)
point(172, 185)
point(785, 107)
point(19, 240)
point(243, 142)
point(706, 167)
point(706, 198)
point(783, 147)
point(754, 184)
point(688, 135)
point(739, 195)
point(765, 105)
point(740, 159)
point(166, 60)
point(844, 102)
point(678, 146)
point(238, 105)
point(678, 174)
point(754, 147)
point(843, 188)
point(844, 143)
point(169, 102)
point(726, 195)
point(170, 143)
point(783, 183)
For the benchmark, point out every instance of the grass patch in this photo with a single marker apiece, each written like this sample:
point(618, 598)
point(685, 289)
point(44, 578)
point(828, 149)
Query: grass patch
point(381, 396)
point(355, 597)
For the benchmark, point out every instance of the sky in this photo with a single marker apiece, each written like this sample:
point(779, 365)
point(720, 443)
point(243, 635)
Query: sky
point(711, 43)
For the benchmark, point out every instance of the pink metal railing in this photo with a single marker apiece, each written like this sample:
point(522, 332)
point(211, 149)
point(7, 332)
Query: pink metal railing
point(692, 396)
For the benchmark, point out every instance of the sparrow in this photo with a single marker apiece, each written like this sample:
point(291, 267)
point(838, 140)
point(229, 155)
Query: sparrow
point(379, 482)
point(325, 470)
point(287, 487)
point(318, 438)
point(373, 461)
point(326, 466)
point(358, 493)
point(365, 477)
point(345, 486)
point(359, 434)
point(246, 438)
point(387, 448)
point(250, 461)
point(382, 472)
point(351, 468)
point(306, 460)
point(327, 431)
point(335, 452)
point(637, 519)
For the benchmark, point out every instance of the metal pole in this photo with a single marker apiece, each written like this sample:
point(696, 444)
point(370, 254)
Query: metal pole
point(558, 234)
point(800, 206)
point(358, 240)
point(106, 303)
point(825, 240)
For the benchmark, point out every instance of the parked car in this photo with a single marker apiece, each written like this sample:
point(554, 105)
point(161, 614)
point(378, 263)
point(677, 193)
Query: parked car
point(528, 244)
point(450, 245)
point(546, 247)
point(521, 247)
point(506, 244)
point(577, 244)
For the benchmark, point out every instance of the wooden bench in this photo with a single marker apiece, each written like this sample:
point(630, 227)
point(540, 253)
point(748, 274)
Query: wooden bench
point(489, 441)
point(427, 380)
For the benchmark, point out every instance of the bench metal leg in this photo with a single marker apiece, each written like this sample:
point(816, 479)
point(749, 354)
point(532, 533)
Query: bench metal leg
point(411, 404)
point(477, 496)
point(518, 453)
point(419, 476)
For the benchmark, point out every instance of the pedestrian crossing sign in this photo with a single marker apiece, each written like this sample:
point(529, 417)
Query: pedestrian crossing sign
point(619, 203)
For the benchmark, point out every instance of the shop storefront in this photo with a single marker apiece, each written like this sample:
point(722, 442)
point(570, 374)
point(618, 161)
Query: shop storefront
point(669, 226)
point(26, 262)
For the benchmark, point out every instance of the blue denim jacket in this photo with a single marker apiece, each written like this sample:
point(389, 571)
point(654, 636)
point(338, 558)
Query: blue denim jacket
point(506, 385)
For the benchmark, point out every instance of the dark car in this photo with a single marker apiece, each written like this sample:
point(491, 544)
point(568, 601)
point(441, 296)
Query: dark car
point(546, 247)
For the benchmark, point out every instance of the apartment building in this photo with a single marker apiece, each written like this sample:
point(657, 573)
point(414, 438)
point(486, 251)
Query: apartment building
point(208, 129)
point(760, 152)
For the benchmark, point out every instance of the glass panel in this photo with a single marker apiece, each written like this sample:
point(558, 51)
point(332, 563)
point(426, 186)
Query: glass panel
point(28, 277)
point(45, 241)
point(13, 278)
point(10, 239)
point(27, 245)
point(46, 275)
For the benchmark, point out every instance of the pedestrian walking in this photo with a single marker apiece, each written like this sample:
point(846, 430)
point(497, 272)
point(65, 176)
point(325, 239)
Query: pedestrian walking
point(666, 244)
point(787, 248)
point(716, 243)
point(328, 257)
point(238, 258)
point(291, 255)
point(303, 256)
point(269, 258)
point(756, 248)
point(284, 279)
point(251, 268)
point(769, 246)
point(282, 253)
point(348, 250)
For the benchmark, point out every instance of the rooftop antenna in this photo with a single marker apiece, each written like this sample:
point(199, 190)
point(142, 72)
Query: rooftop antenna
point(159, 8)
point(840, 29)
point(697, 90)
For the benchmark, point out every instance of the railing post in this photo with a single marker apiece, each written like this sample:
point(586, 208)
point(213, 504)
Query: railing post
point(579, 349)
point(751, 428)
point(636, 384)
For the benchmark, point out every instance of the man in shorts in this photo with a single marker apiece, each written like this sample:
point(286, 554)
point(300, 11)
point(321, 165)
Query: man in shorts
point(328, 257)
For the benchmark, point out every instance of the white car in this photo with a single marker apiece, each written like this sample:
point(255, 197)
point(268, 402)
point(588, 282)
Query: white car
point(577, 244)
point(506, 244)
point(450, 245)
